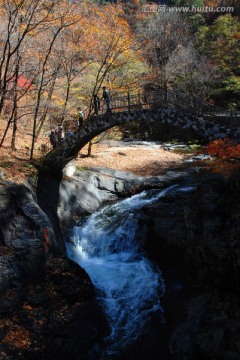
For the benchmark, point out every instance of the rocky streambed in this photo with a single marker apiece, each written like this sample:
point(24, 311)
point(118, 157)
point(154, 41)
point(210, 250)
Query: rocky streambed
point(48, 305)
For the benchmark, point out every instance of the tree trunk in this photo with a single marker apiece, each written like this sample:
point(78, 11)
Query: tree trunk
point(89, 149)
point(43, 117)
point(66, 100)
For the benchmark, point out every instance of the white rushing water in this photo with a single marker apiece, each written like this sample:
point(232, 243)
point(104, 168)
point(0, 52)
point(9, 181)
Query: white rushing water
point(107, 246)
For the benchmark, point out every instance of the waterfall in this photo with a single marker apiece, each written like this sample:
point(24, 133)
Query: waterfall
point(129, 285)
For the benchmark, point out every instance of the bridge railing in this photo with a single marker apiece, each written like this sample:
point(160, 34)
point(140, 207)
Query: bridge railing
point(172, 99)
point(190, 103)
point(146, 100)
point(133, 101)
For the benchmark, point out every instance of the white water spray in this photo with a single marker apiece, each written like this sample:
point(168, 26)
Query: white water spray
point(129, 285)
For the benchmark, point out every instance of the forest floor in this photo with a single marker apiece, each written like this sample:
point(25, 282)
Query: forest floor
point(15, 165)
point(140, 160)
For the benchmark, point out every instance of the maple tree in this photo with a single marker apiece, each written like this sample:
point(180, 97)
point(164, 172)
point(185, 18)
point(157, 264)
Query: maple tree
point(226, 148)
point(226, 156)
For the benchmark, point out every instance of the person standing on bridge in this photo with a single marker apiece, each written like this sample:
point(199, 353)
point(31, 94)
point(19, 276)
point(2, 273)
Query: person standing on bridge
point(80, 117)
point(106, 97)
point(96, 103)
point(53, 139)
point(58, 133)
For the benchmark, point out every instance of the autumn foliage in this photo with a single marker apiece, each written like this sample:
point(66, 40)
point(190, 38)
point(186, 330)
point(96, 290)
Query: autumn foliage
point(226, 149)
point(225, 156)
point(54, 58)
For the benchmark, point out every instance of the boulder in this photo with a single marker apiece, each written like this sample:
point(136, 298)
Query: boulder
point(27, 237)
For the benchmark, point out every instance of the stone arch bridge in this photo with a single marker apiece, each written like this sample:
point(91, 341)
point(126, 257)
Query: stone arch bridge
point(173, 108)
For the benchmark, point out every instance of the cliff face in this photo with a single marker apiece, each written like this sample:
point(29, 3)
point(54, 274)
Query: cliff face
point(197, 233)
point(201, 226)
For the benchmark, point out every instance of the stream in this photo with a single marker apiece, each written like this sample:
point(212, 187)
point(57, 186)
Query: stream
point(109, 246)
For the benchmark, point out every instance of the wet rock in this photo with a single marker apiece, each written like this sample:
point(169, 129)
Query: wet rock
point(216, 330)
point(87, 190)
